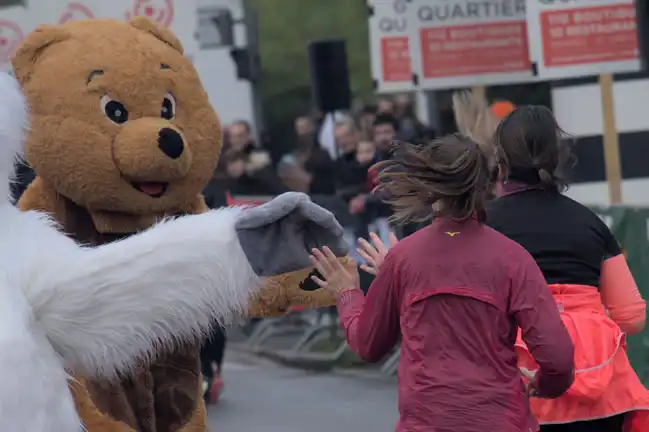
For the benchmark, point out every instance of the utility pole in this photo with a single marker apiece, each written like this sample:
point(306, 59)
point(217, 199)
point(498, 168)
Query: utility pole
point(218, 31)
point(251, 20)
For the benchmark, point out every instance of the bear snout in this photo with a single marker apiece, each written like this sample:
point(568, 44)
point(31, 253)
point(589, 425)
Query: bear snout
point(171, 143)
point(151, 150)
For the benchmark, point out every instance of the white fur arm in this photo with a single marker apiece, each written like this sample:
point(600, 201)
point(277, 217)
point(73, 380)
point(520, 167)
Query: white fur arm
point(34, 394)
point(109, 305)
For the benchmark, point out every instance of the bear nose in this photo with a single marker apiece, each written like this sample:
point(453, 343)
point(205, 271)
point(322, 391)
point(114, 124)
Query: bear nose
point(171, 143)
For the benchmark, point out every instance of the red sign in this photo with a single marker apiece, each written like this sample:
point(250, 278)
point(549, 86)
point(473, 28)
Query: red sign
point(589, 35)
point(246, 201)
point(75, 11)
point(160, 11)
point(477, 49)
point(395, 59)
point(10, 37)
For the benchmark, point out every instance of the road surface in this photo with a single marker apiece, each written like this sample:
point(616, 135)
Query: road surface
point(260, 396)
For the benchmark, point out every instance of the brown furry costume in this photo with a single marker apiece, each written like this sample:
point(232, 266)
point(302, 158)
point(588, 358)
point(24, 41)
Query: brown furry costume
point(100, 92)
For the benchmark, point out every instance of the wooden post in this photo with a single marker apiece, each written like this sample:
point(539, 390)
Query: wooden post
point(611, 140)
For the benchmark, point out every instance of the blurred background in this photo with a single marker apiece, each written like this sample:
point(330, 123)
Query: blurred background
point(313, 93)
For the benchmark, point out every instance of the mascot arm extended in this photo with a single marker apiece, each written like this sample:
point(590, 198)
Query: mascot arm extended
point(102, 307)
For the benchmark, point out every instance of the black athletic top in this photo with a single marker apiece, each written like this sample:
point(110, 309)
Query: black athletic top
point(567, 240)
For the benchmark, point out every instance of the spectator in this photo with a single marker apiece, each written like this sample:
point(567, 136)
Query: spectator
point(365, 153)
point(259, 174)
point(410, 128)
point(346, 135)
point(308, 168)
point(350, 177)
point(384, 132)
point(366, 121)
point(386, 106)
point(240, 180)
point(240, 136)
point(373, 209)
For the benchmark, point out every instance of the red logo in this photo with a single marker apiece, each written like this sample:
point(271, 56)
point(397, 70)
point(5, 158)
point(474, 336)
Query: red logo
point(10, 37)
point(160, 11)
point(75, 11)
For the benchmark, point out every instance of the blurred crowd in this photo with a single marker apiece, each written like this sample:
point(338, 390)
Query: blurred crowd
point(337, 176)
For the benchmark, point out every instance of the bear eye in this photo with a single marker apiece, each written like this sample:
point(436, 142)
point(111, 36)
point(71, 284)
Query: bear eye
point(114, 110)
point(168, 110)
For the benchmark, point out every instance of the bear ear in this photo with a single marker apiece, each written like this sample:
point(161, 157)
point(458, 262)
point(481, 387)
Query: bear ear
point(145, 24)
point(33, 46)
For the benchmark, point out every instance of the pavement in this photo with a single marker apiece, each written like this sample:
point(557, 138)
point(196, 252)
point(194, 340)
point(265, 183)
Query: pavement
point(261, 396)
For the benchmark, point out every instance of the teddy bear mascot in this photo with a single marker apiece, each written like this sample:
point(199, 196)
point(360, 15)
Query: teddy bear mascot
point(121, 137)
point(99, 310)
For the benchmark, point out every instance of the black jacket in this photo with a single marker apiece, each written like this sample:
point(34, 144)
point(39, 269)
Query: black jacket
point(24, 175)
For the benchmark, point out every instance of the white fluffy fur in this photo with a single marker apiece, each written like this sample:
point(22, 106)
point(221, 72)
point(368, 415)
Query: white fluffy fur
point(13, 121)
point(96, 310)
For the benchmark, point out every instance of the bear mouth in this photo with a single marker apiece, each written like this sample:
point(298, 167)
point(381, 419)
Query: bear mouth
point(153, 189)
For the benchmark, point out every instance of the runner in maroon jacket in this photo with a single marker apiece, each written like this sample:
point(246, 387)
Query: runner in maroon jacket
point(455, 292)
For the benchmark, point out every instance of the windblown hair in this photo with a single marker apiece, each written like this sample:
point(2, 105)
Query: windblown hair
point(449, 177)
point(473, 116)
point(475, 120)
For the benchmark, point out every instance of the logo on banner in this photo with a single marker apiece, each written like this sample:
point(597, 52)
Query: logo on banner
point(75, 11)
point(160, 11)
point(398, 21)
point(10, 37)
point(458, 10)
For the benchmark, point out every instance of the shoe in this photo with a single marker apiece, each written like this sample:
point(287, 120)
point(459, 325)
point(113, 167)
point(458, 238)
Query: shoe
point(215, 390)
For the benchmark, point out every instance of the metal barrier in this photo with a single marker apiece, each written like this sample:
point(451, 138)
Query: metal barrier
point(308, 332)
point(293, 324)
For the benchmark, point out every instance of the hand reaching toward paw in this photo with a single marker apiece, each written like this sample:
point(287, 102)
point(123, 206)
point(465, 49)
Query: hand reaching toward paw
point(336, 276)
point(374, 253)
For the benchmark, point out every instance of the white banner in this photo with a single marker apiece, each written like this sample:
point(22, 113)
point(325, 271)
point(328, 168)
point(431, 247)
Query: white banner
point(463, 43)
point(65, 11)
point(573, 38)
point(391, 66)
point(16, 22)
point(179, 16)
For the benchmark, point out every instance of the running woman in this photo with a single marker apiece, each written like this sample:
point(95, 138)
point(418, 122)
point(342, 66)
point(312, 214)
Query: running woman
point(587, 274)
point(456, 293)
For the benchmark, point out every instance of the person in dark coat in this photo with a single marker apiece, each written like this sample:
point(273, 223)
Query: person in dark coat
point(309, 167)
point(23, 178)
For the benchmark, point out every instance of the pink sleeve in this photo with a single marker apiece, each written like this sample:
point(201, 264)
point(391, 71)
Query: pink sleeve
point(542, 329)
point(371, 322)
point(620, 295)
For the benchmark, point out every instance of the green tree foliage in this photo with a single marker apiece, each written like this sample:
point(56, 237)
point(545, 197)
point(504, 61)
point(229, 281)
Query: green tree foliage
point(286, 27)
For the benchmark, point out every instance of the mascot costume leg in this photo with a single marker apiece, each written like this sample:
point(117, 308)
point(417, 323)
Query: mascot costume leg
point(106, 311)
point(121, 137)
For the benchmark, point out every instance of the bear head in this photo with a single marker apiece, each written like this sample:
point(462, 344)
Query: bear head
point(119, 118)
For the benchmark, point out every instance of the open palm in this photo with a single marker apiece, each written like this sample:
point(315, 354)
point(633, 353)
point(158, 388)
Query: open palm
point(374, 253)
point(336, 276)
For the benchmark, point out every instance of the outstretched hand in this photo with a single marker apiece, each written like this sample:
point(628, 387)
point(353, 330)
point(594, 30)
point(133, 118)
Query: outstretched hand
point(374, 253)
point(336, 276)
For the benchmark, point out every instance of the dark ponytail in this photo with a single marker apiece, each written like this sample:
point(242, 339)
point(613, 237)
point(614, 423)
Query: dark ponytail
point(449, 177)
point(534, 149)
